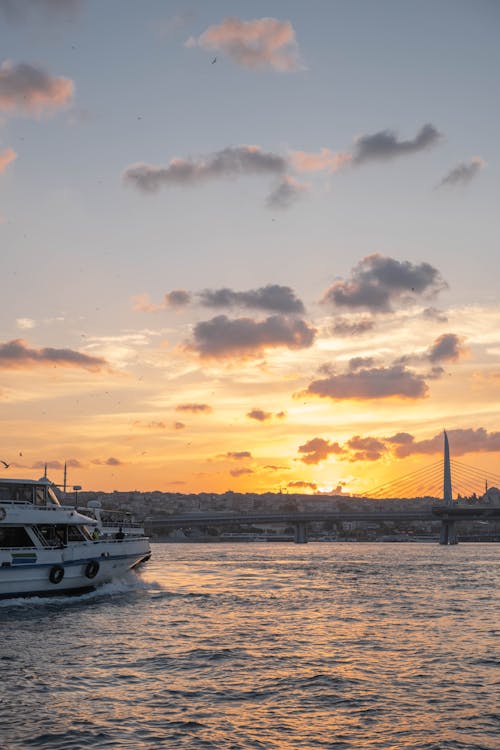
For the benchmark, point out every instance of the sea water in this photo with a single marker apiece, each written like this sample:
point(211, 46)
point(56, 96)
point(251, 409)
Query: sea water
point(269, 646)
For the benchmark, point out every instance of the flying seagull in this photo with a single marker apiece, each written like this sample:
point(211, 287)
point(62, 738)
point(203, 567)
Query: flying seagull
point(4, 463)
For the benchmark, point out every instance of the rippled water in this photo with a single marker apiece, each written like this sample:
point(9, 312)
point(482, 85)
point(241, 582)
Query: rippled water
point(263, 646)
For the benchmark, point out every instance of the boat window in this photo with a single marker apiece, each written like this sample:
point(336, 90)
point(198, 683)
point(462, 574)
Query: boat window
point(16, 493)
point(75, 534)
point(39, 496)
point(14, 536)
point(53, 536)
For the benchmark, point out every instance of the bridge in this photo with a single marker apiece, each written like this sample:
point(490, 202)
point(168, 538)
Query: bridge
point(448, 513)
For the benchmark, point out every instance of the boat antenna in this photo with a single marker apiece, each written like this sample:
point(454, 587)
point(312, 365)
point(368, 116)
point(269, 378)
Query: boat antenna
point(64, 477)
point(45, 471)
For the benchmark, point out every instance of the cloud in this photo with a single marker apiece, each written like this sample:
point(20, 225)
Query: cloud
point(18, 11)
point(230, 162)
point(176, 299)
point(463, 173)
point(6, 158)
point(300, 484)
point(325, 160)
point(365, 449)
point(179, 425)
point(264, 416)
point(357, 363)
point(28, 90)
point(238, 455)
point(240, 472)
point(259, 44)
point(25, 323)
point(317, 450)
point(287, 192)
point(58, 465)
point(377, 282)
point(368, 383)
point(344, 326)
point(17, 354)
point(384, 145)
point(194, 408)
point(461, 442)
point(446, 348)
point(432, 313)
point(111, 461)
point(223, 337)
point(272, 297)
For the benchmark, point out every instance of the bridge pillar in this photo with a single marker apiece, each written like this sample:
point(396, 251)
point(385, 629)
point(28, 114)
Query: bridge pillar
point(448, 533)
point(301, 533)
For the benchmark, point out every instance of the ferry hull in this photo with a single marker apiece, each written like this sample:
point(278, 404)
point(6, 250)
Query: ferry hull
point(69, 571)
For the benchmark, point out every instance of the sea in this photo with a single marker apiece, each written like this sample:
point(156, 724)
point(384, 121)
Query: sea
point(263, 646)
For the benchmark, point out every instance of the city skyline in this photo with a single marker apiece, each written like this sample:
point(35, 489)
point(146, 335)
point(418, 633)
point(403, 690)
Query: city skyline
point(248, 248)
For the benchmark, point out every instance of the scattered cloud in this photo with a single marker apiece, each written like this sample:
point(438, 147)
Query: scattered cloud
point(238, 455)
point(240, 472)
point(19, 11)
point(446, 348)
point(72, 463)
point(463, 173)
point(273, 297)
point(377, 282)
point(461, 442)
point(287, 192)
point(7, 157)
point(111, 461)
point(17, 354)
point(432, 313)
point(179, 425)
point(365, 449)
point(25, 323)
point(346, 326)
point(240, 337)
point(29, 90)
point(260, 44)
point(317, 450)
point(384, 145)
point(264, 416)
point(194, 408)
point(176, 299)
point(230, 162)
point(300, 484)
point(323, 161)
point(371, 383)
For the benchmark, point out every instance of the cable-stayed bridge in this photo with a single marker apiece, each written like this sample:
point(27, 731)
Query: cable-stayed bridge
point(431, 482)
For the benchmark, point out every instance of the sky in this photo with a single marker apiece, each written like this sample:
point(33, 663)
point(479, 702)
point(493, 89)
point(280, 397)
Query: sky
point(248, 246)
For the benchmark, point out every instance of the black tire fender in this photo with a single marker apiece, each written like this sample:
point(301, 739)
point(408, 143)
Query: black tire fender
point(91, 569)
point(56, 574)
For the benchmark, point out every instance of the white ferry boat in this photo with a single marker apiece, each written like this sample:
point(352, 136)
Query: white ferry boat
point(48, 548)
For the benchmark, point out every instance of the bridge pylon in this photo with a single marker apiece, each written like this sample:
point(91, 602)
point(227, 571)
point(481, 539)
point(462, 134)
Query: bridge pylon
point(448, 533)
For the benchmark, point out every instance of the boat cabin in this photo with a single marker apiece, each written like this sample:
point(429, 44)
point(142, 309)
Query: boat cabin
point(39, 492)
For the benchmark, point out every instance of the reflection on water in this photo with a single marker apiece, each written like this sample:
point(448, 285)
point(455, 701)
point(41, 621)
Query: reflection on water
point(263, 646)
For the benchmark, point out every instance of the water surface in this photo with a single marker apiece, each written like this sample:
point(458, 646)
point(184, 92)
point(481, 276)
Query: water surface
point(269, 646)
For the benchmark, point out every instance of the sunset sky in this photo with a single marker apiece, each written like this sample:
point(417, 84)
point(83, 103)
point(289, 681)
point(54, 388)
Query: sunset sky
point(248, 246)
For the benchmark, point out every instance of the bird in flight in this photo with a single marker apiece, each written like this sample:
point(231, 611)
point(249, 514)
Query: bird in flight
point(214, 60)
point(5, 464)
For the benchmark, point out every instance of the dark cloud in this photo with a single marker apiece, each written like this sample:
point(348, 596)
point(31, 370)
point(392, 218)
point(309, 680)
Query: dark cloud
point(286, 193)
point(223, 337)
point(177, 298)
point(463, 173)
point(111, 461)
point(258, 44)
point(238, 455)
point(16, 354)
point(377, 282)
point(231, 162)
point(18, 11)
point(357, 363)
point(385, 145)
point(259, 415)
point(375, 382)
point(240, 472)
point(30, 90)
point(179, 425)
point(272, 297)
point(365, 449)
point(343, 326)
point(72, 463)
point(194, 408)
point(317, 450)
point(432, 313)
point(446, 348)
point(300, 484)
point(461, 442)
